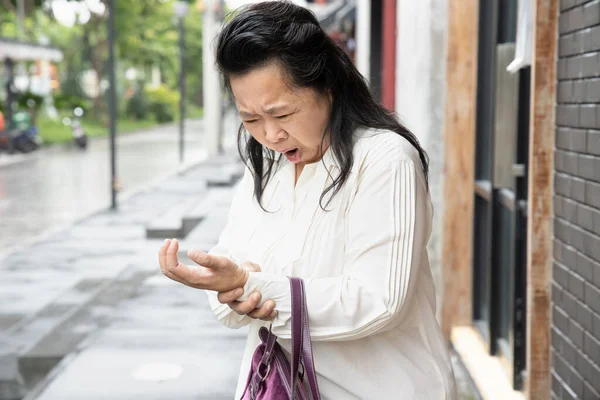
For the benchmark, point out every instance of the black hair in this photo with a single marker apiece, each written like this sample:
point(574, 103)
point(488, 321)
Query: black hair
point(282, 32)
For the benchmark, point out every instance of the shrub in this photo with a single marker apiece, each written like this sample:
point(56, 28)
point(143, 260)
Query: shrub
point(30, 104)
point(137, 106)
point(162, 102)
point(69, 103)
point(28, 100)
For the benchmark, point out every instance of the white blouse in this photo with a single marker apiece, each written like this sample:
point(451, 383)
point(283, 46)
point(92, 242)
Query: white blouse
point(369, 288)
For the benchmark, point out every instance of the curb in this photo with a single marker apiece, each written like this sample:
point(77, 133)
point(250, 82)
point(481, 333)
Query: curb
point(69, 143)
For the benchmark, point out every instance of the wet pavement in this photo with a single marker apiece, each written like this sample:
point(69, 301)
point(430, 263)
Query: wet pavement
point(53, 187)
point(86, 313)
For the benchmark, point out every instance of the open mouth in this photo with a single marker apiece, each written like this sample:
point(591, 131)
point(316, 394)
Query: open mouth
point(293, 155)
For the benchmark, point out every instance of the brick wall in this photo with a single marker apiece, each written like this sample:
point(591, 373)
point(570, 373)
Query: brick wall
point(576, 270)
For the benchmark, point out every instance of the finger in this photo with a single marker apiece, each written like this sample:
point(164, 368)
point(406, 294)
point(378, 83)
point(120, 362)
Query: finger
point(173, 277)
point(191, 276)
point(250, 266)
point(230, 296)
point(271, 316)
point(246, 306)
point(264, 311)
point(172, 260)
point(162, 261)
point(202, 258)
point(179, 271)
point(162, 255)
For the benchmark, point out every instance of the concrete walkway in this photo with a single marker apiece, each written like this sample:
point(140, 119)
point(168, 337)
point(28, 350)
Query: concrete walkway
point(86, 313)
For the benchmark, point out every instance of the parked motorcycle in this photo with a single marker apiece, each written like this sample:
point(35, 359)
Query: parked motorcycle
point(27, 140)
point(80, 138)
point(22, 136)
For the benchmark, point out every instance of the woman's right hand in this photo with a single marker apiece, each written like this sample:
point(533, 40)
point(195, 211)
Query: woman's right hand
point(248, 307)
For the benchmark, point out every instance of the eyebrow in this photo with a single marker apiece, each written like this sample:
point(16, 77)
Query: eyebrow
point(271, 110)
point(276, 109)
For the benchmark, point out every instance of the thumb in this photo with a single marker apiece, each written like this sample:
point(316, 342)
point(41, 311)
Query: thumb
point(250, 266)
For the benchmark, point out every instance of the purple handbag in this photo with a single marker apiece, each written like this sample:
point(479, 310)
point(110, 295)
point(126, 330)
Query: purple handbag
point(270, 376)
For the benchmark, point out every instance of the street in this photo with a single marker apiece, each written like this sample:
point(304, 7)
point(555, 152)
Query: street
point(54, 187)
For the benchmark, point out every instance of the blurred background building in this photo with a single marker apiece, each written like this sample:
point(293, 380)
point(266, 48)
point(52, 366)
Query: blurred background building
point(504, 96)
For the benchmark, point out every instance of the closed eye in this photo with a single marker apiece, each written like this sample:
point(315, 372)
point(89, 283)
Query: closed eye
point(282, 116)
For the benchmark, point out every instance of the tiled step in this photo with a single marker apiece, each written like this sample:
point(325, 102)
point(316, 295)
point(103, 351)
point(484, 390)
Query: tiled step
point(206, 234)
point(83, 320)
point(31, 348)
point(215, 198)
point(213, 182)
point(170, 224)
point(227, 176)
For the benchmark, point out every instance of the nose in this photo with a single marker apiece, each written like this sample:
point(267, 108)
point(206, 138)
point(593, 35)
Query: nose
point(274, 133)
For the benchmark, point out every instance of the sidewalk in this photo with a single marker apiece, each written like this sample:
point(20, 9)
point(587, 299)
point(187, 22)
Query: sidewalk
point(90, 305)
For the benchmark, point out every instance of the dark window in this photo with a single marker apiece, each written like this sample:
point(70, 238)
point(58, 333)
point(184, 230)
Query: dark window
point(499, 254)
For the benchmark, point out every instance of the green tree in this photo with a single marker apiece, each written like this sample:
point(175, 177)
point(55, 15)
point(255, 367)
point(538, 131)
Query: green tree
point(146, 37)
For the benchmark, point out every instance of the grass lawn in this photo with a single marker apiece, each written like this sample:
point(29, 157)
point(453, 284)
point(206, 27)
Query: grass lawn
point(55, 132)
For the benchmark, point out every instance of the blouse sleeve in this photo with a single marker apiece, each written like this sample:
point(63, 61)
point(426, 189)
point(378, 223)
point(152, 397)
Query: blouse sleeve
point(387, 232)
point(242, 197)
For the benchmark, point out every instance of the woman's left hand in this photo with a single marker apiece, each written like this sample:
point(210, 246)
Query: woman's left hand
point(249, 307)
point(212, 273)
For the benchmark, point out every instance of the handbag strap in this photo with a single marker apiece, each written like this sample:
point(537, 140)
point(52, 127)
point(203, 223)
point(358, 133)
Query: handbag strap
point(297, 336)
point(301, 341)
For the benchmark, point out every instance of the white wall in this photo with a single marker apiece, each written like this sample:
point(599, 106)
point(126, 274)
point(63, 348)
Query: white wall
point(212, 81)
point(420, 89)
point(363, 37)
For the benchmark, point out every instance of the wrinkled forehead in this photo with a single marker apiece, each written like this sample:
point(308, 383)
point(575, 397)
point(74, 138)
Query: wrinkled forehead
point(266, 90)
point(260, 88)
point(269, 76)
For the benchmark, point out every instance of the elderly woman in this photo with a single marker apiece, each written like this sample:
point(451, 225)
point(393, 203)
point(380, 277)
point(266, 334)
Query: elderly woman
point(335, 192)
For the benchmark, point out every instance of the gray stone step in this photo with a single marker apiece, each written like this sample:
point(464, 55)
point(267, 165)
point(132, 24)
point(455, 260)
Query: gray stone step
point(187, 185)
point(227, 176)
point(35, 346)
point(215, 198)
point(180, 220)
point(206, 234)
point(23, 336)
point(87, 319)
point(210, 183)
point(170, 224)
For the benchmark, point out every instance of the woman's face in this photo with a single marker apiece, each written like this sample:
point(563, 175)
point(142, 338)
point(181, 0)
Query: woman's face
point(288, 121)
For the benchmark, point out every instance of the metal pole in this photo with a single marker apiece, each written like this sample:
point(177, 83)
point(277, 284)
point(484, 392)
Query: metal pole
point(211, 81)
point(20, 19)
point(9, 68)
point(112, 102)
point(181, 88)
